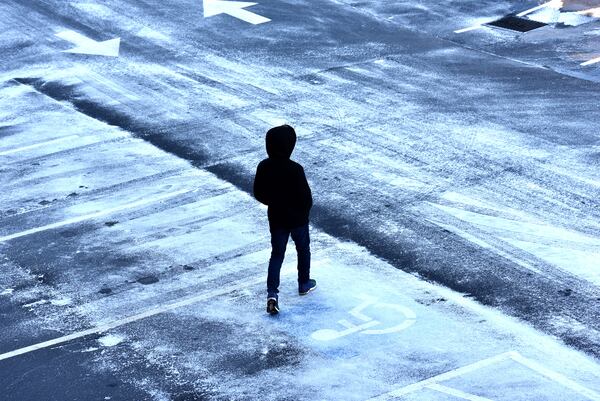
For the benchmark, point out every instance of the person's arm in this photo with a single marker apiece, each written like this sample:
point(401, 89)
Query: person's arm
point(260, 186)
point(305, 192)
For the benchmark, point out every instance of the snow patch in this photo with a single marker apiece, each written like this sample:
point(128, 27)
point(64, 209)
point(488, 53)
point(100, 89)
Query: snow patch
point(7, 291)
point(98, 10)
point(36, 303)
point(61, 302)
point(111, 340)
point(149, 33)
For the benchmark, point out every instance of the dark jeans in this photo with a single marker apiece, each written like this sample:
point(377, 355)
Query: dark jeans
point(279, 240)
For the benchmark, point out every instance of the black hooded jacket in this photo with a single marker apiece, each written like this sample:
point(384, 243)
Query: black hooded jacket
point(280, 183)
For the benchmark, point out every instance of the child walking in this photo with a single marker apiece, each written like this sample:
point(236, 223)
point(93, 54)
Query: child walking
point(280, 184)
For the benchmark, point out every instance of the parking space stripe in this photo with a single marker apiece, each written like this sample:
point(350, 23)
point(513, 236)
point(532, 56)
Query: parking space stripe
point(553, 3)
point(433, 382)
point(456, 393)
point(444, 376)
point(471, 28)
point(151, 312)
point(592, 61)
point(288, 269)
point(556, 377)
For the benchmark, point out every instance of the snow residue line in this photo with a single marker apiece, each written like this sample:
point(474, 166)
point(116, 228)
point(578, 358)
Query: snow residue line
point(592, 61)
point(106, 212)
point(289, 268)
point(37, 145)
point(444, 376)
point(113, 86)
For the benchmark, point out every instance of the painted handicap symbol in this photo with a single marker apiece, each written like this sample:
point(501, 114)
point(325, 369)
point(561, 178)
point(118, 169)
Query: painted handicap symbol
point(369, 326)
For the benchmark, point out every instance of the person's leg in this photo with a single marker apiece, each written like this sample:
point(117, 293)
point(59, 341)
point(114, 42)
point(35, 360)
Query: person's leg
point(279, 239)
point(302, 241)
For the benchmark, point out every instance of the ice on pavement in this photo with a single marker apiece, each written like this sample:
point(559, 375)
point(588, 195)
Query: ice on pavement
point(61, 301)
point(551, 15)
point(574, 252)
point(122, 228)
point(111, 340)
point(365, 326)
point(7, 291)
point(369, 329)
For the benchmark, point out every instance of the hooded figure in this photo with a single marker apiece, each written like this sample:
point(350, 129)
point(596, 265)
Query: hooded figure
point(280, 183)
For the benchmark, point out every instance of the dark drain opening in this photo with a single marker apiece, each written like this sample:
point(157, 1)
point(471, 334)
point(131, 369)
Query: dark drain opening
point(518, 24)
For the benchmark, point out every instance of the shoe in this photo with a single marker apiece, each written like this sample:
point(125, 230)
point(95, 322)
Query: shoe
point(307, 287)
point(272, 306)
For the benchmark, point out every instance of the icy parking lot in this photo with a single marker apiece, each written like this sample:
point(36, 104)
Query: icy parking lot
point(455, 234)
point(154, 274)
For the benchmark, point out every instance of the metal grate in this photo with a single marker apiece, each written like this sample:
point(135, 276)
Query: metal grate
point(517, 24)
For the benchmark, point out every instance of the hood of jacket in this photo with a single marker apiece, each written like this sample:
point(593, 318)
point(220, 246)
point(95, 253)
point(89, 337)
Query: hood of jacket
point(280, 142)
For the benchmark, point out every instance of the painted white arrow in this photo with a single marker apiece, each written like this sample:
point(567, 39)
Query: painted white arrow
point(85, 45)
point(233, 8)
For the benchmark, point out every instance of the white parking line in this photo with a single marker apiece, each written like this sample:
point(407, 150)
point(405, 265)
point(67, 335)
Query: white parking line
point(91, 216)
point(151, 312)
point(471, 28)
point(556, 377)
point(433, 382)
point(37, 145)
point(444, 376)
point(592, 61)
point(289, 268)
point(456, 393)
point(553, 3)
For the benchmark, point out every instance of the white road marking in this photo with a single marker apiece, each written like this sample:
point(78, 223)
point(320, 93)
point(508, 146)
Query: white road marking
point(37, 145)
point(456, 393)
point(289, 268)
point(486, 245)
point(90, 216)
point(330, 334)
point(553, 3)
point(85, 45)
point(592, 61)
point(151, 312)
point(556, 377)
point(444, 376)
point(471, 28)
point(432, 382)
point(234, 9)
point(409, 316)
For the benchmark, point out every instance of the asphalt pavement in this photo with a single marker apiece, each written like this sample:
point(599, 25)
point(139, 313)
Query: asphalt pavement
point(456, 226)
